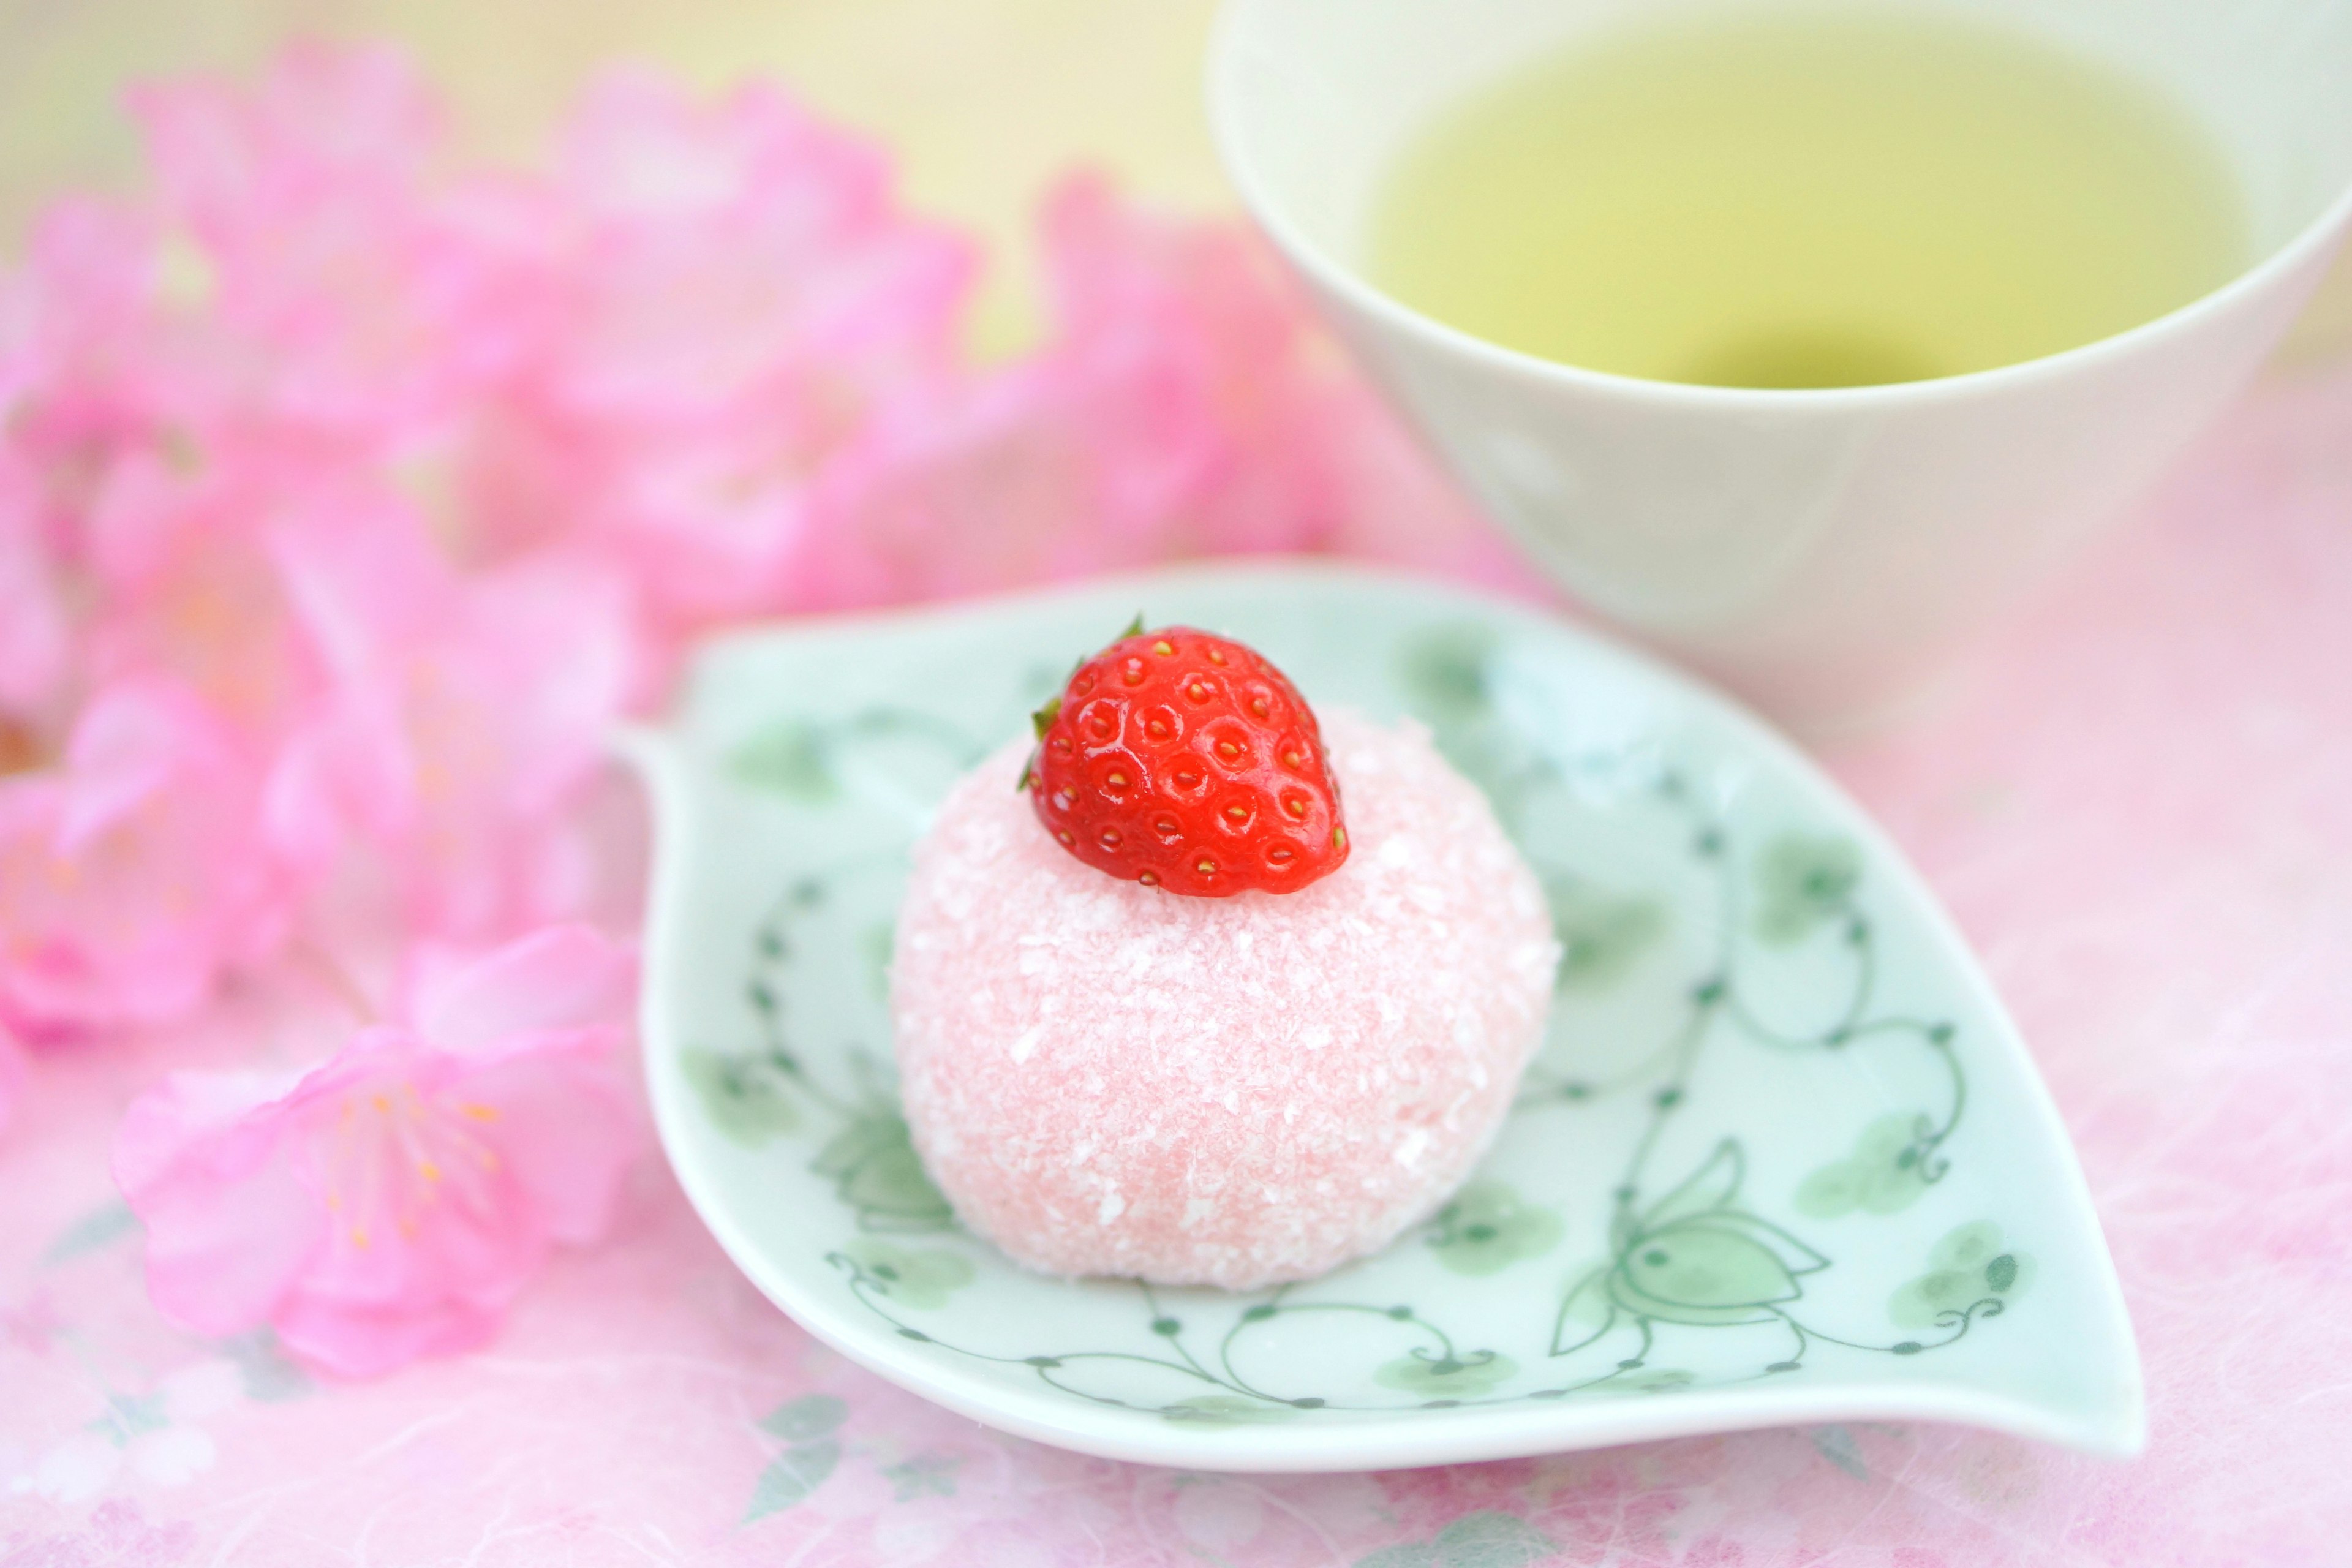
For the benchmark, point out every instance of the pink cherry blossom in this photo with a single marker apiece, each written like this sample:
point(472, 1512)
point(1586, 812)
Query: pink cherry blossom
point(12, 1079)
point(348, 288)
point(36, 630)
point(77, 317)
point(393, 1202)
point(466, 714)
point(737, 294)
point(438, 720)
point(1280, 447)
point(1185, 405)
point(132, 874)
point(187, 581)
point(93, 372)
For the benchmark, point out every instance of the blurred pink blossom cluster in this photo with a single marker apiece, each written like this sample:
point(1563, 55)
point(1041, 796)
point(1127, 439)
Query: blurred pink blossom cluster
point(348, 494)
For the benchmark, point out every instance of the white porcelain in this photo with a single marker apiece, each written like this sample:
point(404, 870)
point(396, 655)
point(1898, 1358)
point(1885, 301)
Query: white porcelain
point(1818, 550)
point(1782, 1159)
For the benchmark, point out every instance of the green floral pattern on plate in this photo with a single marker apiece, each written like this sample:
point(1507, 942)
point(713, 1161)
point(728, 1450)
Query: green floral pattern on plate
point(756, 1095)
point(1802, 882)
point(1760, 1088)
point(923, 1280)
point(1696, 1255)
point(1972, 1269)
point(1488, 1227)
point(1883, 1175)
point(1600, 934)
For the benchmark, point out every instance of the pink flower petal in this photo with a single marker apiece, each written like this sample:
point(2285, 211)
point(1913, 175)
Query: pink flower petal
point(464, 713)
point(229, 1223)
point(566, 1130)
point(14, 1069)
point(131, 877)
point(359, 1342)
point(567, 977)
point(35, 643)
point(394, 1201)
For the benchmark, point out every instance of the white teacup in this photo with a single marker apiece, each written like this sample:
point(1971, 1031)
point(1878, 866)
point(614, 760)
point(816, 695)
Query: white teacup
point(1819, 551)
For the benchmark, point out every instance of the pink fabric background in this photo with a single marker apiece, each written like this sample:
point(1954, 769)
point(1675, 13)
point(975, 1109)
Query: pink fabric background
point(2139, 807)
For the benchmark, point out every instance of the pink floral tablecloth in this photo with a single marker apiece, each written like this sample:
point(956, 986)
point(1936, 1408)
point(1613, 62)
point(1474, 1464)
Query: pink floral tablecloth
point(2138, 803)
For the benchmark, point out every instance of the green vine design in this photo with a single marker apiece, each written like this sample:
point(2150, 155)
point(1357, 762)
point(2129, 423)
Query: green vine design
point(754, 1096)
point(1695, 1256)
point(1687, 1253)
point(1808, 883)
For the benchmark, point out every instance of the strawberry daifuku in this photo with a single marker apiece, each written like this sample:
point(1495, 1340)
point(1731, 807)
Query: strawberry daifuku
point(1106, 1076)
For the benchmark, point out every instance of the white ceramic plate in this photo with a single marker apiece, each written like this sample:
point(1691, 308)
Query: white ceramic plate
point(1784, 1160)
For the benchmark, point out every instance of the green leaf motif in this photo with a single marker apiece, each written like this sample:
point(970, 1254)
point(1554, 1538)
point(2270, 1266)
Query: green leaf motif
point(1967, 1246)
point(874, 1168)
point(1802, 881)
point(1602, 935)
point(1487, 1539)
point(1836, 1445)
point(918, 1279)
point(1696, 1270)
point(1588, 1300)
point(1714, 1186)
point(1408, 1554)
point(100, 1227)
point(1492, 1541)
point(790, 1477)
point(1970, 1266)
point(1445, 673)
point(790, 759)
point(128, 1415)
point(744, 1097)
point(1438, 1376)
point(1588, 1312)
point(1692, 1258)
point(1883, 1176)
point(810, 1416)
point(268, 1373)
point(924, 1475)
point(1486, 1228)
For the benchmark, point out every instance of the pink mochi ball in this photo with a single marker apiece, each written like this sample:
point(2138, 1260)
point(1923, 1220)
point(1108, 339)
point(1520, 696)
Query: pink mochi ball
point(1109, 1079)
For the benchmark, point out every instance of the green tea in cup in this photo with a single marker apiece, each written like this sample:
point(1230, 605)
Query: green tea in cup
point(1806, 199)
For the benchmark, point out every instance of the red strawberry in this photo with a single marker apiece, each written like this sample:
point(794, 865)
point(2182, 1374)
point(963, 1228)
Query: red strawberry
point(1187, 762)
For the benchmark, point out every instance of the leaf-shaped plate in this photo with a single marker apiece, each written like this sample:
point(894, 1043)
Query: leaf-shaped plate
point(1783, 1160)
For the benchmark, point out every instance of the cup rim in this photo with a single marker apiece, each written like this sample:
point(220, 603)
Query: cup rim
point(1221, 90)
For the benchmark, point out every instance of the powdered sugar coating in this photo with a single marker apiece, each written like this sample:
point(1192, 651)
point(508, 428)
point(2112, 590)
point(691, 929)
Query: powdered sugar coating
point(1106, 1079)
